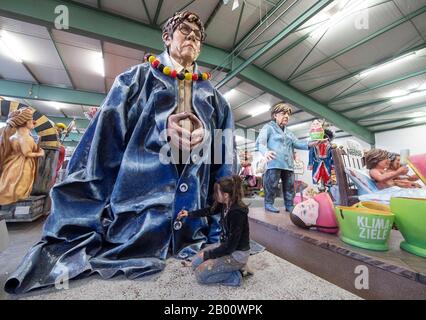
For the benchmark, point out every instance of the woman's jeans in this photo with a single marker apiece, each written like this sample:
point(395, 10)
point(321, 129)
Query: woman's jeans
point(223, 270)
point(271, 179)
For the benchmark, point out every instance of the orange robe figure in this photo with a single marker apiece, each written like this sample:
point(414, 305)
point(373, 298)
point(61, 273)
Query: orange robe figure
point(18, 175)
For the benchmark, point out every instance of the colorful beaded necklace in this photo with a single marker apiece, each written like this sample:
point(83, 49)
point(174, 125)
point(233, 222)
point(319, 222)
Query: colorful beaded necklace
point(155, 63)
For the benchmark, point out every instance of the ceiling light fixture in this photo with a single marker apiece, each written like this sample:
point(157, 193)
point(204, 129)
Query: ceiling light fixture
point(411, 95)
point(404, 57)
point(229, 94)
point(99, 64)
point(55, 104)
point(335, 13)
point(235, 5)
point(259, 111)
point(6, 45)
point(420, 119)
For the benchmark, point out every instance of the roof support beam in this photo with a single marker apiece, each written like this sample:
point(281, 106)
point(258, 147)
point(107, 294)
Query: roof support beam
point(178, 10)
point(378, 86)
point(259, 24)
point(49, 93)
point(246, 37)
point(306, 36)
point(238, 25)
point(117, 29)
point(391, 122)
point(410, 125)
point(366, 105)
point(362, 41)
point(358, 71)
point(269, 120)
point(147, 11)
point(157, 12)
point(60, 57)
point(214, 13)
point(393, 111)
point(317, 7)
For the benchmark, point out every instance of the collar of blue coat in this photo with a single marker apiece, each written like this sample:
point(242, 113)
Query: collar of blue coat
point(201, 90)
point(275, 125)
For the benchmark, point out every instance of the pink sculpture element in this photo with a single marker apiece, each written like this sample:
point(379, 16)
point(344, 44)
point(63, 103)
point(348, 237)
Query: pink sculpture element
point(418, 164)
point(326, 216)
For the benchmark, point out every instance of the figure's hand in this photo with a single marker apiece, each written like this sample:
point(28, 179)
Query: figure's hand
point(41, 153)
point(179, 137)
point(402, 170)
point(270, 155)
point(197, 135)
point(182, 138)
point(182, 213)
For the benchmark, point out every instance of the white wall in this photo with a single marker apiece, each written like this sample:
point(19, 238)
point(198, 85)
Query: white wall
point(413, 139)
point(342, 142)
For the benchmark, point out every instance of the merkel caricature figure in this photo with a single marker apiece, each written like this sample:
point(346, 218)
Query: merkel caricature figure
point(114, 212)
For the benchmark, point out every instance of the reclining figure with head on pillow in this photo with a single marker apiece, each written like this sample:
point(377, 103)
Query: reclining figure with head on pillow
point(378, 162)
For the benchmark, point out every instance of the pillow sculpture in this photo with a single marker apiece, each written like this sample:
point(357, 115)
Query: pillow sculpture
point(327, 221)
point(317, 212)
point(362, 181)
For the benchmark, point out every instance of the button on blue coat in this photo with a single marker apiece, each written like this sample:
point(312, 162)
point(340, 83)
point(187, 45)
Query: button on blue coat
point(115, 210)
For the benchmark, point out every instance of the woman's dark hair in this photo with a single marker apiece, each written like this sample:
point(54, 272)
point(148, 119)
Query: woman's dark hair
point(233, 186)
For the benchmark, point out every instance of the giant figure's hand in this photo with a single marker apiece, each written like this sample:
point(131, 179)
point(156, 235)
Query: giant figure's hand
point(182, 138)
point(270, 155)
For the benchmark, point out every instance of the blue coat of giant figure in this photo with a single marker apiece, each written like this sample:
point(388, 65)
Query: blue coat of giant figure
point(115, 210)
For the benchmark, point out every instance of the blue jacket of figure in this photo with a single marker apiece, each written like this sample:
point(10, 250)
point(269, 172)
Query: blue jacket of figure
point(282, 142)
point(115, 210)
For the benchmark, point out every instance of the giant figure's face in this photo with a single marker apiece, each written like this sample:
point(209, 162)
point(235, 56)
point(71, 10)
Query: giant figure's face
point(281, 118)
point(185, 45)
point(30, 124)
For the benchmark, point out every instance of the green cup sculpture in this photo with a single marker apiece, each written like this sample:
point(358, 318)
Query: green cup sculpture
point(366, 225)
point(410, 218)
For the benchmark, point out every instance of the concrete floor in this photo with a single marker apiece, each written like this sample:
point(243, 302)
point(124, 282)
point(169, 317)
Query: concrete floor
point(274, 278)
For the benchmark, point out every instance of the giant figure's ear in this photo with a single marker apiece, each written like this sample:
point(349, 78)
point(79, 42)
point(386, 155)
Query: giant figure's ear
point(167, 39)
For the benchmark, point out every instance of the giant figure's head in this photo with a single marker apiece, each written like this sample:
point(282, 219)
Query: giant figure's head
point(183, 34)
point(280, 113)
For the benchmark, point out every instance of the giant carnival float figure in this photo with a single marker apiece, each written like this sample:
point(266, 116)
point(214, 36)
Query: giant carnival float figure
point(115, 209)
point(28, 156)
point(18, 157)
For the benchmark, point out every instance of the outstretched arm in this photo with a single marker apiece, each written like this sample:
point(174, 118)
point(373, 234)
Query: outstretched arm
point(384, 177)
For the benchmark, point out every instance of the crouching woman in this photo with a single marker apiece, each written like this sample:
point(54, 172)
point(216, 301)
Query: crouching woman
point(224, 263)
